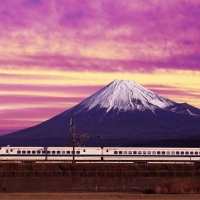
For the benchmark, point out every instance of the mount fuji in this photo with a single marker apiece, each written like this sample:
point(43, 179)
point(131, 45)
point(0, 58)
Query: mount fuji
point(126, 96)
point(122, 113)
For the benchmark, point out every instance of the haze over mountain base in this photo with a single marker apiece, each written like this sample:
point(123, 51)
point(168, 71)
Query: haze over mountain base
point(121, 114)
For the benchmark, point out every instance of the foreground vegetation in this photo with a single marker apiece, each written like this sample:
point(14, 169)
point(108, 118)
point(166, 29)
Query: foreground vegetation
point(56, 167)
point(180, 182)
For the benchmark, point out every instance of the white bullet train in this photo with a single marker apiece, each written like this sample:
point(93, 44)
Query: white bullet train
point(99, 154)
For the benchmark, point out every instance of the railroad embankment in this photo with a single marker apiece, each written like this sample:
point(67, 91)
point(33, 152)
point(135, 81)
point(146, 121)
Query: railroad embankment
point(154, 178)
point(56, 167)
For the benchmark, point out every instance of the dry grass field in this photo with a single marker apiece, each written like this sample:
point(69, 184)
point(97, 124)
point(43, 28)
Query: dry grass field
point(183, 184)
point(95, 196)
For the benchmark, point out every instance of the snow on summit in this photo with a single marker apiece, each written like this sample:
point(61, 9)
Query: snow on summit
point(126, 95)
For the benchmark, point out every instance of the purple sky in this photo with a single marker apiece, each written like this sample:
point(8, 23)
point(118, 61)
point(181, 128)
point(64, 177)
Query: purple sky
point(55, 53)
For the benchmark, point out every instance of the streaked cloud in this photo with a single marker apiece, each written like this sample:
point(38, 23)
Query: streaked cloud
point(55, 53)
point(81, 35)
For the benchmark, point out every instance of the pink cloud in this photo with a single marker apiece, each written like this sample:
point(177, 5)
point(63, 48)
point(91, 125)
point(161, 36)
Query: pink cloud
point(173, 91)
point(97, 34)
point(169, 27)
point(29, 99)
point(13, 119)
point(65, 89)
point(66, 63)
point(31, 113)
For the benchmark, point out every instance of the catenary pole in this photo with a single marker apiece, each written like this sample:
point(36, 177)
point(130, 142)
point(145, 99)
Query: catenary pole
point(72, 136)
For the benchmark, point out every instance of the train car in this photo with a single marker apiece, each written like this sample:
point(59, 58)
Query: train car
point(49, 153)
point(96, 154)
point(151, 154)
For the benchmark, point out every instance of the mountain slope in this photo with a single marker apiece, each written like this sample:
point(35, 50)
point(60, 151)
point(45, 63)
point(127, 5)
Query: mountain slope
point(124, 96)
point(185, 108)
point(120, 114)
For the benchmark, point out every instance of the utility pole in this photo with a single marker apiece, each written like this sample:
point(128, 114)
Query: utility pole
point(80, 139)
point(72, 136)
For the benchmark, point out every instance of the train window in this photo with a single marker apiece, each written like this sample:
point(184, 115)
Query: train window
point(196, 152)
point(63, 152)
point(191, 152)
point(177, 152)
point(172, 152)
point(53, 152)
point(6, 151)
point(83, 150)
point(134, 152)
point(125, 152)
point(43, 152)
point(106, 150)
point(129, 152)
point(115, 152)
point(28, 152)
point(11, 150)
point(168, 152)
point(186, 152)
point(77, 152)
point(48, 152)
point(149, 152)
point(182, 152)
point(23, 152)
point(33, 152)
point(38, 152)
point(58, 152)
point(139, 152)
point(120, 152)
point(68, 152)
point(163, 152)
point(153, 152)
point(144, 152)
point(18, 152)
point(158, 152)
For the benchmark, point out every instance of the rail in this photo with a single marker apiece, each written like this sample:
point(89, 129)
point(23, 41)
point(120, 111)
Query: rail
point(131, 174)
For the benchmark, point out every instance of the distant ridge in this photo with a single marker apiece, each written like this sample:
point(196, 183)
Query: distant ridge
point(123, 113)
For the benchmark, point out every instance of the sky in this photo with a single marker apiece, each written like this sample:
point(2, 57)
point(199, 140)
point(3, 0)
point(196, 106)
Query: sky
point(56, 53)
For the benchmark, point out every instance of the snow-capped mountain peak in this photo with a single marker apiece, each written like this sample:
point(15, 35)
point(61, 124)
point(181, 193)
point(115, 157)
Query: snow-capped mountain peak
point(126, 95)
point(166, 122)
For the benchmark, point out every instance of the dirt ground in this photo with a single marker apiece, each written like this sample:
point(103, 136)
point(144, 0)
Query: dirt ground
point(95, 196)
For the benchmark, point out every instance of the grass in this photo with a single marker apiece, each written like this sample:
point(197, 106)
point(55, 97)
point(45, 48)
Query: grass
point(96, 167)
